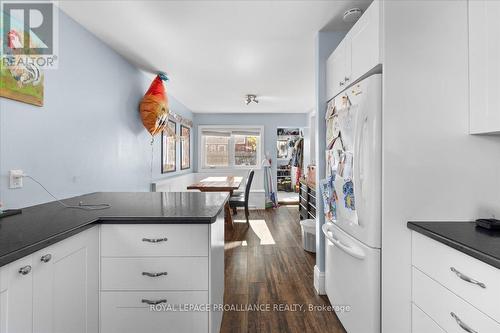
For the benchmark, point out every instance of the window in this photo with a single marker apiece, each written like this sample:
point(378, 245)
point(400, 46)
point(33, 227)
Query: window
point(216, 151)
point(230, 147)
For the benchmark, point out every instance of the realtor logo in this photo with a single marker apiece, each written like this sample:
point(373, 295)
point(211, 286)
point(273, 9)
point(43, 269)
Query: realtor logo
point(29, 33)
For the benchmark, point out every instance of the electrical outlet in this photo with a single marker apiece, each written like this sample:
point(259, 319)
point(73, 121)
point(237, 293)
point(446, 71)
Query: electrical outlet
point(15, 178)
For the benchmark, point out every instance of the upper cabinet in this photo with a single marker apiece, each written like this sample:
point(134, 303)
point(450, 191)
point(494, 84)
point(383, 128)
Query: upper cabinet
point(357, 54)
point(484, 66)
point(338, 70)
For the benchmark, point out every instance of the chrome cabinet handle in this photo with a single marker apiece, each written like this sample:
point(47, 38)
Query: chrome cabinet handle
point(466, 278)
point(25, 270)
point(154, 274)
point(147, 301)
point(462, 325)
point(155, 240)
point(46, 258)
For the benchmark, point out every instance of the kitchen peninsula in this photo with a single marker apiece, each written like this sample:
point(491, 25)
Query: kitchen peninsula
point(121, 264)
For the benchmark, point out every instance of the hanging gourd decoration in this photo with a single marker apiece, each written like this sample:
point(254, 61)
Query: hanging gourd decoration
point(154, 106)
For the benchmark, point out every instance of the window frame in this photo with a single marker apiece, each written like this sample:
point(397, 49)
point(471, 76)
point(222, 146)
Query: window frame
point(231, 147)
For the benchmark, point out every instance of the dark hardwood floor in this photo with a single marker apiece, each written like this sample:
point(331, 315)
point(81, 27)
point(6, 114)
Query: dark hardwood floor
point(265, 264)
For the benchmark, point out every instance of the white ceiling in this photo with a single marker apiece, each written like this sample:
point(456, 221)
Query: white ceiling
point(215, 52)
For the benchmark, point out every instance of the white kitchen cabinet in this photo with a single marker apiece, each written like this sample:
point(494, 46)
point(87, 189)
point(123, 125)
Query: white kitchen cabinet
point(3, 299)
point(154, 240)
point(364, 38)
point(154, 273)
point(449, 264)
point(16, 299)
point(129, 313)
point(422, 323)
point(3, 311)
point(453, 290)
point(357, 54)
point(163, 264)
point(484, 66)
point(338, 69)
point(54, 290)
point(447, 309)
point(65, 285)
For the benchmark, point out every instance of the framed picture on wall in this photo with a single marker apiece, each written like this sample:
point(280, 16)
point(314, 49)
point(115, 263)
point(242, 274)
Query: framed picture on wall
point(185, 147)
point(168, 148)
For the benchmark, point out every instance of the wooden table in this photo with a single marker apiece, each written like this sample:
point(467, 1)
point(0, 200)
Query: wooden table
point(219, 184)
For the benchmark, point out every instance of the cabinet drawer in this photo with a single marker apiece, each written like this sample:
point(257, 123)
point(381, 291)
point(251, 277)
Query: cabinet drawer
point(442, 305)
point(422, 323)
point(172, 273)
point(445, 265)
point(154, 240)
point(3, 278)
point(124, 312)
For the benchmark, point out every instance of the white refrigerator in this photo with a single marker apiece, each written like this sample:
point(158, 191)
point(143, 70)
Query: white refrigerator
point(353, 233)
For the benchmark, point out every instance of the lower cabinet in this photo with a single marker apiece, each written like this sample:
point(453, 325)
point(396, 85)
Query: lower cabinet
point(153, 311)
point(453, 292)
point(17, 299)
point(164, 279)
point(3, 312)
point(422, 323)
point(161, 282)
point(54, 290)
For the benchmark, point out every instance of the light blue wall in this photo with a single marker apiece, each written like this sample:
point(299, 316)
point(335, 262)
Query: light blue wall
point(326, 42)
point(270, 121)
point(88, 135)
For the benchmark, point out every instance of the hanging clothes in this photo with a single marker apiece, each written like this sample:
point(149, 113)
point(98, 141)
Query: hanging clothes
point(298, 153)
point(298, 161)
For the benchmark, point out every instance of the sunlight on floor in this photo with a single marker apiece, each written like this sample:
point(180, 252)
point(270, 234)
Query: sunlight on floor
point(288, 197)
point(261, 230)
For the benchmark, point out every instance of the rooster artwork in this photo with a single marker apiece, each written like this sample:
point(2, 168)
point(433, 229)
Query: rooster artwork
point(20, 79)
point(154, 107)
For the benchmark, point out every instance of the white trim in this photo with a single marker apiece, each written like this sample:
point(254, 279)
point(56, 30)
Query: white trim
point(319, 281)
point(260, 148)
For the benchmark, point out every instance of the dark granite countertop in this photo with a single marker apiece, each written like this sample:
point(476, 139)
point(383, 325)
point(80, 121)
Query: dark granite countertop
point(45, 224)
point(466, 237)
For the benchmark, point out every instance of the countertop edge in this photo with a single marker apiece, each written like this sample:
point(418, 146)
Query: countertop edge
point(57, 237)
point(486, 258)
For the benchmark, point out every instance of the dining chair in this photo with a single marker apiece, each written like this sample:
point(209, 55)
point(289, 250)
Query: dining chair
point(236, 201)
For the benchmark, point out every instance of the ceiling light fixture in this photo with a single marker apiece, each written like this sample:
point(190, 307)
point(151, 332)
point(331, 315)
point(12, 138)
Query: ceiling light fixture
point(251, 98)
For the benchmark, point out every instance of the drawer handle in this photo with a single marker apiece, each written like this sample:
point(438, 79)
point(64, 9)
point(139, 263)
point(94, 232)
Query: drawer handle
point(462, 325)
point(155, 240)
point(154, 274)
point(25, 270)
point(147, 301)
point(46, 258)
point(466, 278)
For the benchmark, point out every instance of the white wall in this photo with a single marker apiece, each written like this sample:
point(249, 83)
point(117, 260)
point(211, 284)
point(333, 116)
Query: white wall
point(433, 170)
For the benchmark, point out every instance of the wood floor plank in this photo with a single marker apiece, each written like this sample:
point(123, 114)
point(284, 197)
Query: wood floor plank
point(265, 265)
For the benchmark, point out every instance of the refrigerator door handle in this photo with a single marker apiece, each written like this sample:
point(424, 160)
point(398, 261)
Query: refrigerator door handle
point(355, 252)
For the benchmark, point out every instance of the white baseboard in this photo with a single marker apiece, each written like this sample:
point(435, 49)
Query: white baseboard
point(319, 281)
